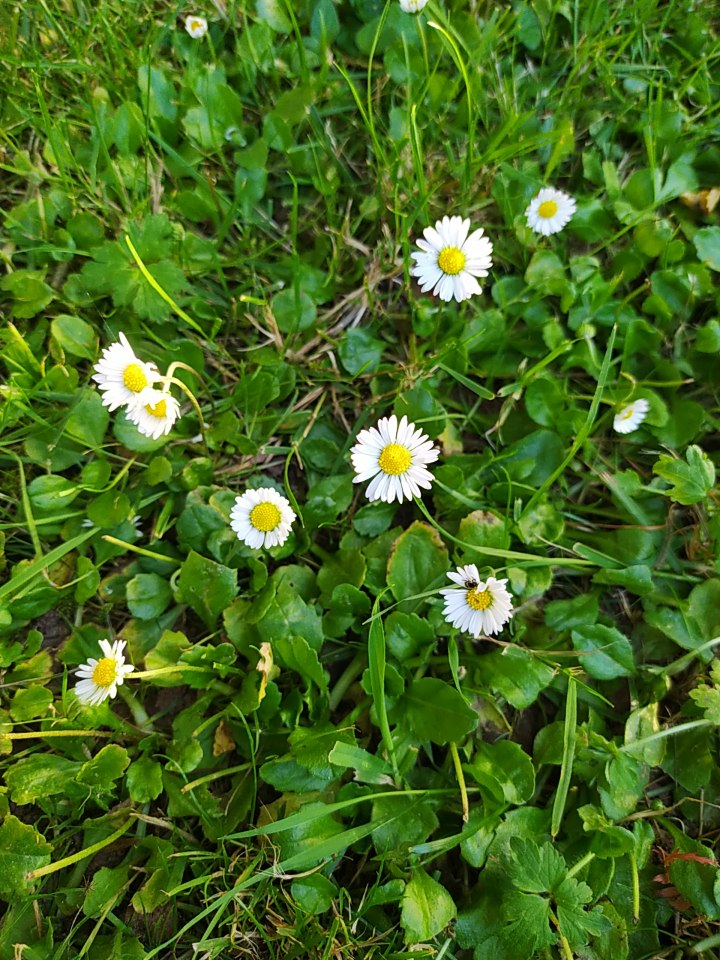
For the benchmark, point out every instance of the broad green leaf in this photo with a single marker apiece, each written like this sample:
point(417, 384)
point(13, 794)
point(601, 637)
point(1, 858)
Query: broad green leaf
point(400, 822)
point(707, 244)
point(576, 922)
point(75, 336)
point(22, 849)
point(621, 785)
point(207, 587)
point(105, 767)
point(435, 711)
point(418, 563)
point(427, 908)
point(30, 702)
point(144, 780)
point(691, 479)
point(516, 675)
point(104, 889)
point(535, 869)
point(295, 653)
point(504, 770)
point(313, 894)
point(606, 653)
point(148, 595)
point(39, 776)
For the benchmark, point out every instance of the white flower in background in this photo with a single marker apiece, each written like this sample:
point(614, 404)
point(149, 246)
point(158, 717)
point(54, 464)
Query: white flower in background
point(629, 417)
point(549, 211)
point(154, 412)
point(474, 605)
point(450, 260)
point(395, 457)
point(121, 376)
point(262, 518)
point(101, 678)
point(196, 26)
point(413, 6)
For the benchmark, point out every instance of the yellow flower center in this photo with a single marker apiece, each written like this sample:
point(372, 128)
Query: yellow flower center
point(104, 674)
point(265, 516)
point(157, 410)
point(627, 413)
point(196, 24)
point(394, 459)
point(547, 209)
point(451, 260)
point(479, 599)
point(134, 378)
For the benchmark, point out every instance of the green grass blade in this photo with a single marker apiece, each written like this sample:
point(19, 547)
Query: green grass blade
point(568, 757)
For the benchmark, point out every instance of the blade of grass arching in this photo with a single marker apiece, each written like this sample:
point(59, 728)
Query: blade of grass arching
point(379, 152)
point(568, 757)
point(35, 569)
point(376, 663)
point(472, 115)
point(584, 431)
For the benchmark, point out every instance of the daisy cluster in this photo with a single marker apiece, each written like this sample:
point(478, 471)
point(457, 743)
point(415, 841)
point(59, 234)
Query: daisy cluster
point(128, 383)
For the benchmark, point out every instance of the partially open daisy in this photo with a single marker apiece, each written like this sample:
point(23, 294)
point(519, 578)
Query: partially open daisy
point(121, 376)
point(629, 417)
point(549, 211)
point(474, 605)
point(450, 260)
point(101, 678)
point(413, 6)
point(154, 412)
point(262, 518)
point(395, 456)
point(196, 27)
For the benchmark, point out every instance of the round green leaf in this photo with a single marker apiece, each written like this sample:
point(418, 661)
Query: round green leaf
point(437, 712)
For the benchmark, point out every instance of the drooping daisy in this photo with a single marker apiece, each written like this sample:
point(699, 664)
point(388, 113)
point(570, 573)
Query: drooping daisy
point(629, 417)
point(262, 518)
point(413, 6)
point(449, 260)
point(476, 606)
point(154, 412)
point(121, 376)
point(549, 211)
point(196, 26)
point(101, 678)
point(395, 456)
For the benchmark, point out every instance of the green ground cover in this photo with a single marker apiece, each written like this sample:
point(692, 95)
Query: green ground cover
point(310, 761)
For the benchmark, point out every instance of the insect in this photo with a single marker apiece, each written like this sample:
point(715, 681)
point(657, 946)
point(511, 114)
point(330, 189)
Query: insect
point(470, 584)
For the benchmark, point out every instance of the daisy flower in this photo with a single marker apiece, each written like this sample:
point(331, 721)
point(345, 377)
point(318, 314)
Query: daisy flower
point(262, 518)
point(449, 260)
point(121, 375)
point(154, 412)
point(476, 606)
point(629, 417)
point(101, 678)
point(395, 456)
point(413, 6)
point(549, 211)
point(196, 26)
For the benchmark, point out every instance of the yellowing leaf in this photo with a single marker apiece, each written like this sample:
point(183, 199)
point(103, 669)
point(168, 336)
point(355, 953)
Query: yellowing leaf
point(264, 666)
point(223, 741)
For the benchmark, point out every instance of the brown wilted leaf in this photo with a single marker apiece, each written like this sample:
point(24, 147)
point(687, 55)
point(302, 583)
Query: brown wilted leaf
point(223, 741)
point(704, 200)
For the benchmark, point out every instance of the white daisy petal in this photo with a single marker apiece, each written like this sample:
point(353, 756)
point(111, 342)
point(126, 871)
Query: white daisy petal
point(121, 376)
point(413, 6)
point(474, 606)
point(153, 412)
point(629, 417)
point(397, 469)
point(451, 259)
point(550, 211)
point(196, 26)
point(262, 518)
point(101, 678)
